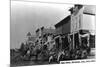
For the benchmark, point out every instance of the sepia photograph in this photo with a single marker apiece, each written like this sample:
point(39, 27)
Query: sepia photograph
point(44, 33)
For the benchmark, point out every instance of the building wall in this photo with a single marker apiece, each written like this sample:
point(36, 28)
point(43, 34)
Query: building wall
point(76, 20)
point(81, 21)
point(88, 22)
point(66, 28)
point(59, 30)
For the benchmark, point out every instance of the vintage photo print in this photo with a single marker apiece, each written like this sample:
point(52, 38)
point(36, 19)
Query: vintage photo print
point(51, 33)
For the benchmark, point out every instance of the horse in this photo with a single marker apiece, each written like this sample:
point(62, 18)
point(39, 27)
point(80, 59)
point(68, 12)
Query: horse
point(58, 56)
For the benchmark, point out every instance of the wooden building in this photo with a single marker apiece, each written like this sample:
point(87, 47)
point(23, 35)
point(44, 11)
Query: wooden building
point(82, 23)
point(63, 27)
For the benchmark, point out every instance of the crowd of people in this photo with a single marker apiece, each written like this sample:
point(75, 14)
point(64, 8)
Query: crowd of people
point(50, 47)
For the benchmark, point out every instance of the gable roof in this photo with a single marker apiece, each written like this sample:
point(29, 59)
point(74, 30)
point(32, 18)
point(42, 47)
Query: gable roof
point(65, 20)
point(89, 9)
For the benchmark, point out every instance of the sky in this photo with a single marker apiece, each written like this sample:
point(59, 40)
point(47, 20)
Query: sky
point(28, 16)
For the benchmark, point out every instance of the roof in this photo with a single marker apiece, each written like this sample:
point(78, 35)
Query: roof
point(65, 20)
point(28, 34)
point(89, 9)
point(76, 5)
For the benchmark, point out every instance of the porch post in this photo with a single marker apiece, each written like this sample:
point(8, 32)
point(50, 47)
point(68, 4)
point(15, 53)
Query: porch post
point(73, 40)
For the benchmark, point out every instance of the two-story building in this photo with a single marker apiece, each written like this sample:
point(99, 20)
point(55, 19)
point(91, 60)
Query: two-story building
point(79, 25)
point(82, 24)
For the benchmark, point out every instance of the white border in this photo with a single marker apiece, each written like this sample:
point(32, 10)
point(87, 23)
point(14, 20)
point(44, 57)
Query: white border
point(5, 32)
